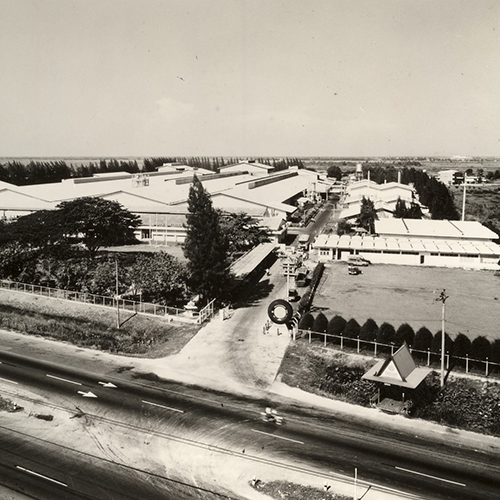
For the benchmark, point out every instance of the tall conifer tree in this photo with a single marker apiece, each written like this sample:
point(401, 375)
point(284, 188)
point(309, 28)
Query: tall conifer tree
point(205, 247)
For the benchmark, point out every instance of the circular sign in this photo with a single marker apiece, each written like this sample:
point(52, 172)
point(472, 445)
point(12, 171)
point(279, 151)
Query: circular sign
point(280, 311)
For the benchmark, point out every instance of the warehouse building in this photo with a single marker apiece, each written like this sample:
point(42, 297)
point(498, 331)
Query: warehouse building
point(460, 244)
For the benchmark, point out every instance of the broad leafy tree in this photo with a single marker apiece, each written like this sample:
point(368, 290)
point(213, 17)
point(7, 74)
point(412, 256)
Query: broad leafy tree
point(206, 246)
point(97, 222)
point(334, 172)
point(242, 231)
point(41, 230)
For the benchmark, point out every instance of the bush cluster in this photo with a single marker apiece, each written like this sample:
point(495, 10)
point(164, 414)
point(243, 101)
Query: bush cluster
point(345, 382)
point(423, 340)
point(467, 404)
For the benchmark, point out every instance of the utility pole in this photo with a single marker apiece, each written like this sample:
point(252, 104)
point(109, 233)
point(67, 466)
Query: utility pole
point(463, 200)
point(116, 295)
point(442, 298)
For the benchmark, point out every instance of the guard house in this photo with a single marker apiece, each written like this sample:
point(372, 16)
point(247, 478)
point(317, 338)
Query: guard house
point(398, 379)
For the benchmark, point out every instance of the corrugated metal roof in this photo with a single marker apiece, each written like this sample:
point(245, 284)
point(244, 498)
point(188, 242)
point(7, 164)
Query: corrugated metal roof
point(248, 262)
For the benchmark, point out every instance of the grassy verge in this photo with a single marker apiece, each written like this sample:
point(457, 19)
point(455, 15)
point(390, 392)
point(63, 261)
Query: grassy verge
point(92, 327)
point(465, 403)
point(284, 490)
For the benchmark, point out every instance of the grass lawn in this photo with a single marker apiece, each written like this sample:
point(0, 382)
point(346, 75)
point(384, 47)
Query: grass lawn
point(88, 326)
point(406, 294)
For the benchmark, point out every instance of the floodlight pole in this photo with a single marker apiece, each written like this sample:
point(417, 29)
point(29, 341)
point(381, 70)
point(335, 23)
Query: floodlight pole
point(442, 298)
point(463, 200)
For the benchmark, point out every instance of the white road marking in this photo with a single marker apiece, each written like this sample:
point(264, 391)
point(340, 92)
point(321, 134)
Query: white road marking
point(108, 384)
point(161, 406)
point(10, 381)
point(63, 379)
point(41, 475)
point(277, 437)
point(432, 477)
point(87, 394)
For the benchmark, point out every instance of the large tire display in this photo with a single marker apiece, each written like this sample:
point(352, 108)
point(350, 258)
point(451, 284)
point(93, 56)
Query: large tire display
point(280, 311)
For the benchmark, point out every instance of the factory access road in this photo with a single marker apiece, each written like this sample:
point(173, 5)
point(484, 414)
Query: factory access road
point(328, 445)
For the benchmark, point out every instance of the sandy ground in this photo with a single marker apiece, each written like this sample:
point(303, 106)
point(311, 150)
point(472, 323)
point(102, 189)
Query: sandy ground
point(232, 355)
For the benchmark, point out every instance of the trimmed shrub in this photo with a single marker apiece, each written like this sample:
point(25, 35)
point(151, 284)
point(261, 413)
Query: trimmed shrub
point(320, 323)
point(386, 335)
point(436, 344)
point(336, 326)
point(351, 331)
point(368, 332)
point(422, 342)
point(495, 352)
point(306, 322)
point(480, 348)
point(461, 347)
point(404, 333)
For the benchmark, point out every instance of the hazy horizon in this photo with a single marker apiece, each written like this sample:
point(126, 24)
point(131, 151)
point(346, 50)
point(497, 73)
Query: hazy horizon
point(269, 78)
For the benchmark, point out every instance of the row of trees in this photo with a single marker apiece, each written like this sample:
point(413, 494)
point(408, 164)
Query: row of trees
point(42, 172)
point(480, 348)
point(431, 192)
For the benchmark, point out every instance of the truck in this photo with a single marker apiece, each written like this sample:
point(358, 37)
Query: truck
point(303, 242)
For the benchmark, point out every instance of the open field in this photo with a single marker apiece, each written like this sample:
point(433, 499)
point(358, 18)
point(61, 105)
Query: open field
point(406, 294)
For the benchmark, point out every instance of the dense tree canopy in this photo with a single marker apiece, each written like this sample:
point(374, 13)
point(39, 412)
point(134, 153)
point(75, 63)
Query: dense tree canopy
point(97, 222)
point(242, 231)
point(160, 278)
point(206, 246)
point(335, 172)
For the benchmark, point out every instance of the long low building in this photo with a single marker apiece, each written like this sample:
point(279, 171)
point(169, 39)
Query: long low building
point(160, 198)
point(442, 243)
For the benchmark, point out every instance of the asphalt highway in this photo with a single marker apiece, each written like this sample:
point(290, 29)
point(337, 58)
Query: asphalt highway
point(317, 441)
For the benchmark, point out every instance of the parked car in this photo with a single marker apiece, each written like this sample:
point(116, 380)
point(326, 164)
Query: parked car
point(354, 270)
point(293, 295)
point(357, 260)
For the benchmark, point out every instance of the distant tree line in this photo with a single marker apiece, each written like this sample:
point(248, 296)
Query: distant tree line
point(480, 348)
point(43, 172)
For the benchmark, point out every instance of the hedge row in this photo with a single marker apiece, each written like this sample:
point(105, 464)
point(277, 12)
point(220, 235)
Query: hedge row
point(306, 299)
point(480, 348)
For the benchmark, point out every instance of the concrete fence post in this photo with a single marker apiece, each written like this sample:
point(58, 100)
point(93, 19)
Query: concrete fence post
point(486, 367)
point(428, 356)
point(341, 342)
point(309, 336)
point(466, 363)
point(447, 361)
point(358, 345)
point(324, 343)
point(375, 348)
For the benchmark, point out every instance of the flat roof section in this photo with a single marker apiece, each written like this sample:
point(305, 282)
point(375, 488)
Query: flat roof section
point(248, 262)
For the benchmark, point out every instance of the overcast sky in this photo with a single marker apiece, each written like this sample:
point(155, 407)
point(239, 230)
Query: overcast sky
point(249, 78)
